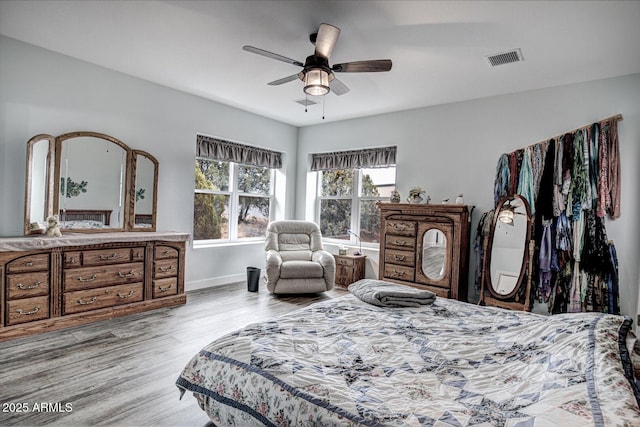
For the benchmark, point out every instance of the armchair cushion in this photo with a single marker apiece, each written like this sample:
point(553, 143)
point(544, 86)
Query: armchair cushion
point(301, 270)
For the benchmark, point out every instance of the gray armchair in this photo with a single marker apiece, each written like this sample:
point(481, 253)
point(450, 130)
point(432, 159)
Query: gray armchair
point(296, 262)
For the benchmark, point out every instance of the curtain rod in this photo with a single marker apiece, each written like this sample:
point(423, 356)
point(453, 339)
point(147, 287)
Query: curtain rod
point(617, 118)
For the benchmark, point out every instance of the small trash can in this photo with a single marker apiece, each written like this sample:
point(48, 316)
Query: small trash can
point(253, 278)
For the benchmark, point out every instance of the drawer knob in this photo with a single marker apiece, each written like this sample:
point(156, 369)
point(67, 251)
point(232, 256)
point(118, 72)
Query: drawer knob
point(106, 257)
point(397, 273)
point(161, 289)
point(91, 301)
point(27, 313)
point(72, 260)
point(90, 279)
point(399, 257)
point(165, 269)
point(130, 294)
point(35, 285)
point(129, 274)
point(29, 264)
point(399, 227)
point(400, 242)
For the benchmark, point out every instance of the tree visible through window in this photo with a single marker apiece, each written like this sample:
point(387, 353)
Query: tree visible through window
point(225, 190)
point(348, 201)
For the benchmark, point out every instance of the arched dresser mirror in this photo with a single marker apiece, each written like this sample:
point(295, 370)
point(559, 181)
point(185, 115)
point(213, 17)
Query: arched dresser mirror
point(506, 273)
point(92, 181)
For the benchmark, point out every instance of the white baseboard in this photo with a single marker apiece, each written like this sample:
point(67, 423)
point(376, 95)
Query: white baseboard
point(214, 281)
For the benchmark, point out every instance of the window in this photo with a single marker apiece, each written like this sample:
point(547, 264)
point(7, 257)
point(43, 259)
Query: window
point(232, 199)
point(347, 201)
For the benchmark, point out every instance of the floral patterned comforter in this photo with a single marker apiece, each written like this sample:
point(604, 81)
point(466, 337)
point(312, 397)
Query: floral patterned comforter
point(344, 362)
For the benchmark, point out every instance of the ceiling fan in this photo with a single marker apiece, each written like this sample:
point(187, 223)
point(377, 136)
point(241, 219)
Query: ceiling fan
point(318, 76)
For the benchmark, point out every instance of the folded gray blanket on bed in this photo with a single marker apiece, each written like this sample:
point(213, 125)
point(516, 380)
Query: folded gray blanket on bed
point(385, 294)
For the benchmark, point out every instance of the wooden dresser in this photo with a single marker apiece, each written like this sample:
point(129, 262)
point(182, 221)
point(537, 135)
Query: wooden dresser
point(52, 283)
point(426, 246)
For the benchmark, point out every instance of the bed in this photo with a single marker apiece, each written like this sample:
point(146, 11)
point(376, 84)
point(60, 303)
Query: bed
point(346, 362)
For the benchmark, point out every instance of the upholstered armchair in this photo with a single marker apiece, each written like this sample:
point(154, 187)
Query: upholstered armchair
point(296, 262)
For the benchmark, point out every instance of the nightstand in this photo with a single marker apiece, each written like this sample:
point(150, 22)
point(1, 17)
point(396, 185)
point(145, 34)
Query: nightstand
point(349, 269)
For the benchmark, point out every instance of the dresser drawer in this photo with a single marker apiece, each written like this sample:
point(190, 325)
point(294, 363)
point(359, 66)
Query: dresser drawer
point(27, 310)
point(137, 254)
point(165, 268)
point(106, 256)
point(28, 263)
point(164, 252)
point(25, 285)
point(401, 228)
point(399, 272)
point(72, 259)
point(399, 257)
point(165, 287)
point(93, 299)
point(93, 277)
point(400, 242)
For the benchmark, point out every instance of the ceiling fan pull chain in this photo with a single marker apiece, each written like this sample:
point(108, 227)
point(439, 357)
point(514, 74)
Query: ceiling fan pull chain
point(306, 102)
point(324, 98)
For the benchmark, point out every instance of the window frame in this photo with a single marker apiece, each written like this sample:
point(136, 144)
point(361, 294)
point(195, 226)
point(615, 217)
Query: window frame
point(356, 200)
point(234, 195)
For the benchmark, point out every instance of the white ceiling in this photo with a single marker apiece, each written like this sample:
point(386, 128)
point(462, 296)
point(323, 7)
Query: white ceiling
point(438, 48)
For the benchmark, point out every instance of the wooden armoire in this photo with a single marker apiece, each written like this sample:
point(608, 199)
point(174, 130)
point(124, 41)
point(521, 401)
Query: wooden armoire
point(426, 246)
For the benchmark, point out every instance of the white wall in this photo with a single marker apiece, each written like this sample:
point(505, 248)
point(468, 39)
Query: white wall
point(44, 92)
point(454, 148)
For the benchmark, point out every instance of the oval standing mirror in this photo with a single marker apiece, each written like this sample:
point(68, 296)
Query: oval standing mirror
point(508, 246)
point(145, 189)
point(38, 199)
point(434, 257)
point(92, 179)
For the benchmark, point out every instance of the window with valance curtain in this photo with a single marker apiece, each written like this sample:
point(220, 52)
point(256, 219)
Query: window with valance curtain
point(219, 149)
point(354, 159)
point(233, 190)
point(350, 185)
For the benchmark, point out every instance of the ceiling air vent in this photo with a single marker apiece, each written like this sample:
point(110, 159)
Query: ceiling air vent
point(508, 57)
point(306, 102)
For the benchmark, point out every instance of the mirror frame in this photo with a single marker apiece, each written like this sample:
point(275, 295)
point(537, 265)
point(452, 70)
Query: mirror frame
point(54, 160)
point(49, 196)
point(132, 195)
point(507, 300)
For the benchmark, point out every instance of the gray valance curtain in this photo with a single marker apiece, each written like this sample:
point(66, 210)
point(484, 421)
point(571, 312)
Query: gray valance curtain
point(354, 159)
point(219, 149)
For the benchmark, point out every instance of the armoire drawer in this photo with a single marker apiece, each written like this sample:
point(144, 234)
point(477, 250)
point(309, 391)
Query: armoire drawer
point(93, 277)
point(399, 272)
point(26, 285)
point(27, 310)
point(400, 242)
point(165, 287)
point(401, 228)
point(400, 257)
point(93, 299)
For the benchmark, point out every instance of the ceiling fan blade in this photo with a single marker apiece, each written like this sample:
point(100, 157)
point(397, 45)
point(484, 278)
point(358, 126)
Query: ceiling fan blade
point(283, 80)
point(338, 87)
point(326, 40)
point(372, 66)
point(272, 55)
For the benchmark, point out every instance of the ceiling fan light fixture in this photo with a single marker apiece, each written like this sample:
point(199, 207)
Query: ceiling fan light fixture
point(316, 82)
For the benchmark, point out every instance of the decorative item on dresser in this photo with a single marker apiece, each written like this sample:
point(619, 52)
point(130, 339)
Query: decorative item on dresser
point(53, 283)
point(426, 246)
point(349, 269)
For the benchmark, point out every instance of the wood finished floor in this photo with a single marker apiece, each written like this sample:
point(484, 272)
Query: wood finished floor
point(122, 372)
